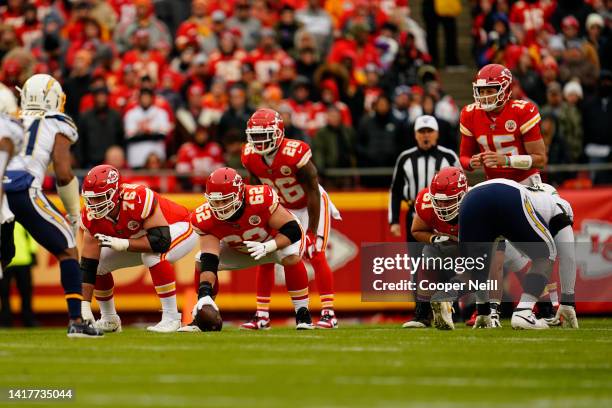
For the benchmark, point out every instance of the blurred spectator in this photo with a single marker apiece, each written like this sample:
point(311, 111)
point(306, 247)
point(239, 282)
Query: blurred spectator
point(301, 104)
point(595, 27)
point(330, 96)
point(334, 146)
point(530, 80)
point(218, 26)
point(556, 149)
point(99, 128)
point(575, 65)
point(115, 156)
point(226, 62)
point(144, 58)
point(267, 57)
point(403, 69)
point(103, 12)
point(146, 128)
point(20, 269)
point(567, 118)
point(214, 103)
point(31, 29)
point(236, 116)
point(8, 39)
point(444, 13)
point(291, 130)
point(307, 63)
point(317, 21)
point(580, 9)
point(597, 120)
point(286, 28)
point(356, 47)
point(379, 139)
point(570, 33)
point(144, 19)
point(188, 115)
point(200, 157)
point(77, 84)
point(248, 26)
point(286, 76)
point(529, 17)
point(401, 103)
point(446, 132)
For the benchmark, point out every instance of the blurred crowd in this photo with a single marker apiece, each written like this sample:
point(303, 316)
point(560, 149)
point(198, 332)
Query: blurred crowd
point(170, 84)
point(560, 54)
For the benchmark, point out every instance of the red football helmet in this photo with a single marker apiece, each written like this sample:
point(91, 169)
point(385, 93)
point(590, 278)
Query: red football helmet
point(447, 189)
point(265, 130)
point(493, 75)
point(224, 192)
point(101, 190)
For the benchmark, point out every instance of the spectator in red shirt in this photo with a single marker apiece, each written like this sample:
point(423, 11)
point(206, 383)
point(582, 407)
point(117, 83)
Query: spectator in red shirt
point(31, 29)
point(145, 19)
point(267, 57)
point(356, 41)
point(198, 159)
point(226, 62)
point(145, 59)
point(301, 104)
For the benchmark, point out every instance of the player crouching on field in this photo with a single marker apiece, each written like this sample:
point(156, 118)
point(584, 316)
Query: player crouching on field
point(129, 225)
point(242, 226)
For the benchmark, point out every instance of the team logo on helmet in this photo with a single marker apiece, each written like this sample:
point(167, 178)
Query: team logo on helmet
point(254, 220)
point(510, 125)
point(113, 176)
point(285, 170)
point(133, 225)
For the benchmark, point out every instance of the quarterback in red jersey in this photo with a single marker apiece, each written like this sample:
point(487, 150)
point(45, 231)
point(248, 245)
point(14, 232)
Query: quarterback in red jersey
point(128, 225)
point(241, 226)
point(501, 134)
point(286, 166)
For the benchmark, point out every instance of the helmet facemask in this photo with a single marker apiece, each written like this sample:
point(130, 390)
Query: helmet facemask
point(224, 206)
point(99, 205)
point(492, 101)
point(264, 139)
point(447, 207)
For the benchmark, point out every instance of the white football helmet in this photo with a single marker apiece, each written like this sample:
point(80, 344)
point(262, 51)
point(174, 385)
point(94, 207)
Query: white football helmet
point(42, 92)
point(8, 102)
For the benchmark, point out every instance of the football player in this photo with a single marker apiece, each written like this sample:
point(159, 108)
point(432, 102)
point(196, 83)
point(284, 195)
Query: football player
point(500, 134)
point(493, 209)
point(285, 165)
point(242, 226)
point(128, 225)
point(11, 137)
point(49, 133)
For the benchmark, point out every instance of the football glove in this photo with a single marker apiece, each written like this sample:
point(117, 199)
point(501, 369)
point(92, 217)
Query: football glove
point(482, 322)
point(206, 300)
point(73, 220)
point(567, 316)
point(311, 244)
point(437, 239)
point(495, 321)
point(258, 250)
point(118, 244)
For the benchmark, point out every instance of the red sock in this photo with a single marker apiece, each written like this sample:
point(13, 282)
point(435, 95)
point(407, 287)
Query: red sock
point(164, 279)
point(264, 279)
point(103, 290)
point(296, 278)
point(325, 280)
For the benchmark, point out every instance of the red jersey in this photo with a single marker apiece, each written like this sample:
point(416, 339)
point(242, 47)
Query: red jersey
point(425, 211)
point(201, 160)
point(301, 114)
point(252, 225)
point(136, 204)
point(505, 132)
point(281, 175)
point(228, 67)
point(150, 63)
point(532, 17)
point(267, 65)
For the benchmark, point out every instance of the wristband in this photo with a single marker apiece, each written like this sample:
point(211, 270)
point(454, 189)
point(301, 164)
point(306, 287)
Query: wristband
point(271, 246)
point(507, 162)
point(521, 162)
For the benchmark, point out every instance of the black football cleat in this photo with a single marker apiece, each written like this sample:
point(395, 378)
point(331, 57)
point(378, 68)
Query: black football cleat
point(303, 321)
point(83, 330)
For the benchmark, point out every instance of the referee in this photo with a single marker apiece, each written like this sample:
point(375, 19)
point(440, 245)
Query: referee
point(414, 170)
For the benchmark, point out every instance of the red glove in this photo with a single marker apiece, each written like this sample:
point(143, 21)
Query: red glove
point(311, 242)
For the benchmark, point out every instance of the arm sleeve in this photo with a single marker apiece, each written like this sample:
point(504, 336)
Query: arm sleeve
point(396, 192)
point(564, 240)
point(467, 149)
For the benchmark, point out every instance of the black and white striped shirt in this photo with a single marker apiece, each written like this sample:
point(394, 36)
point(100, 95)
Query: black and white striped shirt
point(413, 172)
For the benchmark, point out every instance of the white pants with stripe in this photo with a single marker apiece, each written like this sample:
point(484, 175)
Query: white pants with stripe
point(184, 239)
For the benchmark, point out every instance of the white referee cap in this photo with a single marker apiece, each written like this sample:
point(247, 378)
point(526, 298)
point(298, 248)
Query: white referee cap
point(425, 121)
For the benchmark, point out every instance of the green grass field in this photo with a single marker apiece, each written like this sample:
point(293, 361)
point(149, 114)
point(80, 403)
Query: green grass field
point(373, 366)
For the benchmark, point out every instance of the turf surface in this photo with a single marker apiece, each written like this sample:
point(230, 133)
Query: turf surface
point(374, 366)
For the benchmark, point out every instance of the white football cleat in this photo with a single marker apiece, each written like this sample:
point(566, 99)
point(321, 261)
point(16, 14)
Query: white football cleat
point(414, 324)
point(525, 319)
point(190, 328)
point(109, 324)
point(169, 323)
point(443, 315)
point(566, 315)
point(482, 322)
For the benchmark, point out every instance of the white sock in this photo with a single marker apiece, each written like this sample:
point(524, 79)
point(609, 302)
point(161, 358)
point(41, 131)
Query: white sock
point(168, 305)
point(298, 304)
point(260, 313)
point(107, 307)
point(527, 301)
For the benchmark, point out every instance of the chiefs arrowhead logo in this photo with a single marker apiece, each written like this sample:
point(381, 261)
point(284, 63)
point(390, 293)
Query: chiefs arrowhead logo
point(113, 176)
point(510, 125)
point(285, 170)
point(133, 225)
point(254, 220)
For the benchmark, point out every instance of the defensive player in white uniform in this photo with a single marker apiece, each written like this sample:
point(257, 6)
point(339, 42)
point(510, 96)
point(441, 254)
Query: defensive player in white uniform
point(11, 137)
point(49, 133)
